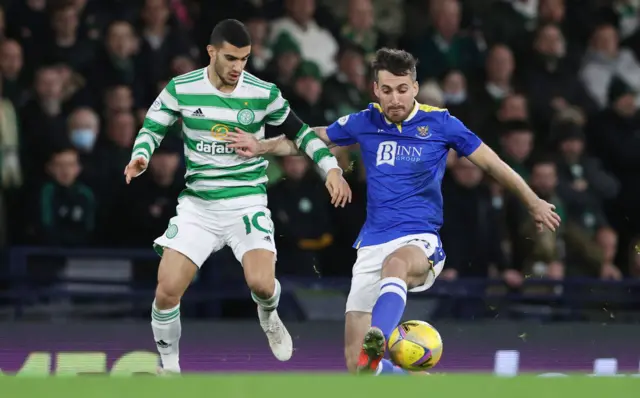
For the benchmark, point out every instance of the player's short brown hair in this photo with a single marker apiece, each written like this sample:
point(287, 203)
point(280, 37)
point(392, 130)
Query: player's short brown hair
point(397, 62)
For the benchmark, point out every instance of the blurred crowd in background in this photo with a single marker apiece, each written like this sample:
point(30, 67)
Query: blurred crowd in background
point(552, 85)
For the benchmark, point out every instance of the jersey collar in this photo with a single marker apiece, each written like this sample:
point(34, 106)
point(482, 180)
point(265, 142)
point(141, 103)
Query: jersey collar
point(416, 108)
point(205, 71)
point(414, 111)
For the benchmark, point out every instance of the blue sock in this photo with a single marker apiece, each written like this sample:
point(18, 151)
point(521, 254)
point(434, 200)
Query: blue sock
point(386, 367)
point(389, 307)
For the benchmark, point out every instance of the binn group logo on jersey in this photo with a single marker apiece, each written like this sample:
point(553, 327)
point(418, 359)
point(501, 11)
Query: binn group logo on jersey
point(389, 152)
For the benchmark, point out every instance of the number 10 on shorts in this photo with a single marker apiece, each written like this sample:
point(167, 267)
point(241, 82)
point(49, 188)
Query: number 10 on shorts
point(253, 222)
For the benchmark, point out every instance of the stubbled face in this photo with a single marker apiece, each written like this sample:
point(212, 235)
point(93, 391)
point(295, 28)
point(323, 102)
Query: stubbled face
point(228, 62)
point(396, 95)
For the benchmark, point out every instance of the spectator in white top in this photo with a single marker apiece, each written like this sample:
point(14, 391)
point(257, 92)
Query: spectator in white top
point(604, 61)
point(316, 44)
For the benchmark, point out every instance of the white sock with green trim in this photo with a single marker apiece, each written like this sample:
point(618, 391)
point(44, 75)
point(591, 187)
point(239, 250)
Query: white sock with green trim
point(166, 333)
point(271, 303)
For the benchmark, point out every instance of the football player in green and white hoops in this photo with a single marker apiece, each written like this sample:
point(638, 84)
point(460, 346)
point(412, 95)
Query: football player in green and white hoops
point(225, 200)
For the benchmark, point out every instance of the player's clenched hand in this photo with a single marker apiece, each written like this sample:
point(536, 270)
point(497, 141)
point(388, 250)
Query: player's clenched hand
point(338, 188)
point(244, 143)
point(135, 168)
point(544, 215)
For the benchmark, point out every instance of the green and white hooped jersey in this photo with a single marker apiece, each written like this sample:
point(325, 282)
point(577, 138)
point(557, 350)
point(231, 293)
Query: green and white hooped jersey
point(216, 173)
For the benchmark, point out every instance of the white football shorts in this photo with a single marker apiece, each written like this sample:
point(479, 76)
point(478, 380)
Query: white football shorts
point(197, 231)
point(365, 282)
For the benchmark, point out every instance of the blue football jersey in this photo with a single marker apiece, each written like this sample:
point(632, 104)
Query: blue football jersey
point(404, 164)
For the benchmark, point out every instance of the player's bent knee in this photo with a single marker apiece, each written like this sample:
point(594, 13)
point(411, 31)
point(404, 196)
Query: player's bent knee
point(167, 297)
point(259, 272)
point(395, 266)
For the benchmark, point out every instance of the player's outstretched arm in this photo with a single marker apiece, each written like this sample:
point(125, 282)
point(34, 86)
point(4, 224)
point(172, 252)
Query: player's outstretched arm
point(161, 115)
point(247, 145)
point(541, 211)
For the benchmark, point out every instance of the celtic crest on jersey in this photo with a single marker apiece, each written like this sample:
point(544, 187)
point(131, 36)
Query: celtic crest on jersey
point(246, 116)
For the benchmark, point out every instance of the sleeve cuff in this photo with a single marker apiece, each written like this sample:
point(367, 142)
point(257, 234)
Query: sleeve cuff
point(328, 163)
point(143, 155)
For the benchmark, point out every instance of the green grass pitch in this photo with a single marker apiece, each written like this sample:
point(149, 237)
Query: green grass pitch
point(318, 386)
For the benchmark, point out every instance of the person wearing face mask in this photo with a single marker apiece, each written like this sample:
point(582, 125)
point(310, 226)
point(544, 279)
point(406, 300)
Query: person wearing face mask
point(83, 126)
point(454, 90)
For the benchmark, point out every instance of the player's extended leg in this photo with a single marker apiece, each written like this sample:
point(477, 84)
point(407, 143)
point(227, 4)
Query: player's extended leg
point(259, 272)
point(175, 274)
point(405, 268)
point(365, 288)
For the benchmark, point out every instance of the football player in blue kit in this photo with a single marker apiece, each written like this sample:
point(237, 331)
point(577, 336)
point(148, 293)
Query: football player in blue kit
point(404, 148)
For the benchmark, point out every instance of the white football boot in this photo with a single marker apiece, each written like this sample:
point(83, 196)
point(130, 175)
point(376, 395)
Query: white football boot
point(277, 334)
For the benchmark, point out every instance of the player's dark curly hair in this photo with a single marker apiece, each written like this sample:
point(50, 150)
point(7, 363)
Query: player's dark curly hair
point(397, 62)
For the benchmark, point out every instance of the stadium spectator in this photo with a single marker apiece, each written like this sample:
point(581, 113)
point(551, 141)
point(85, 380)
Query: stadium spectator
point(552, 83)
point(30, 26)
point(316, 43)
point(360, 27)
point(431, 94)
point(117, 62)
point(607, 240)
point(513, 108)
point(66, 209)
point(66, 44)
point(517, 145)
point(307, 94)
point(605, 60)
point(43, 121)
point(11, 63)
point(83, 127)
point(583, 184)
point(91, 19)
point(571, 251)
point(115, 149)
point(623, 14)
point(498, 84)
point(285, 61)
point(470, 232)
point(161, 42)
point(182, 64)
point(149, 205)
point(618, 149)
point(511, 22)
point(118, 98)
point(346, 91)
point(446, 47)
point(258, 27)
point(456, 97)
point(302, 218)
point(575, 29)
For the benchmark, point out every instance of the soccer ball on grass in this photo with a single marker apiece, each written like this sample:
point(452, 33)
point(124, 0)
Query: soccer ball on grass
point(415, 346)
